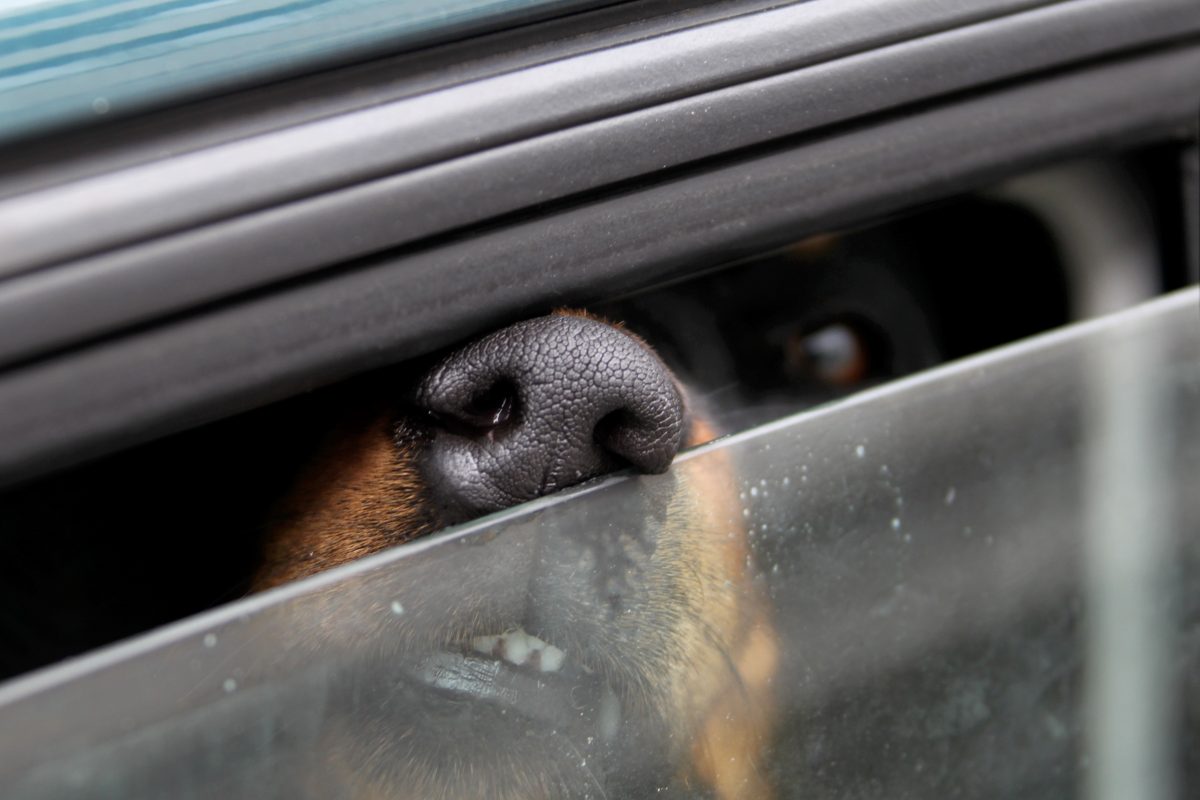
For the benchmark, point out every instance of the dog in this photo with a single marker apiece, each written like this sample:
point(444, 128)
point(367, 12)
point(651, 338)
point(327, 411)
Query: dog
point(664, 623)
point(656, 622)
point(658, 613)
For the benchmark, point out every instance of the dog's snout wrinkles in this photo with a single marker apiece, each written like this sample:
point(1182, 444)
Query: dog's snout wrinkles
point(545, 404)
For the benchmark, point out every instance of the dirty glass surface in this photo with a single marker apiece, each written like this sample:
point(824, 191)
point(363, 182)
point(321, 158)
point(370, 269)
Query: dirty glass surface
point(982, 581)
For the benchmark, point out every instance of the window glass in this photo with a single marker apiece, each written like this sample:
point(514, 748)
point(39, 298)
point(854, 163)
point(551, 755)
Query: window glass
point(67, 62)
point(978, 581)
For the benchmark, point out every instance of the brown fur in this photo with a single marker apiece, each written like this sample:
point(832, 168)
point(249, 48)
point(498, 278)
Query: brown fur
point(362, 494)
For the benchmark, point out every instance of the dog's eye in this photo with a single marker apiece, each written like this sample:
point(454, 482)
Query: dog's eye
point(842, 353)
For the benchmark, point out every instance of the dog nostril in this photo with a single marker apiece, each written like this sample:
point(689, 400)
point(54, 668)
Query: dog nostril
point(483, 415)
point(607, 432)
point(623, 434)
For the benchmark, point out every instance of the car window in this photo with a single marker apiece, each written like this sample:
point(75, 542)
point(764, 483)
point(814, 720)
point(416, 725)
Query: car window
point(65, 62)
point(975, 581)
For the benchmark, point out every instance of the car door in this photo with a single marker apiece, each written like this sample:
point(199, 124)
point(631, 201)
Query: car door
point(941, 592)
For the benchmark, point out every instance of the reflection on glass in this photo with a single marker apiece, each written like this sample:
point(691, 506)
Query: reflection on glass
point(883, 598)
point(67, 62)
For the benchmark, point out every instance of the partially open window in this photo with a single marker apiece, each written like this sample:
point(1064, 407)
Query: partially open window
point(930, 588)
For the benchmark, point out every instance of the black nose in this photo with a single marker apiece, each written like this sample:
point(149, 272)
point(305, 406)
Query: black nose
point(542, 405)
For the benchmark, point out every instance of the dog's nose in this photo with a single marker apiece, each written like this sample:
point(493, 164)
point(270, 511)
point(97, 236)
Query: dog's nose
point(542, 405)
